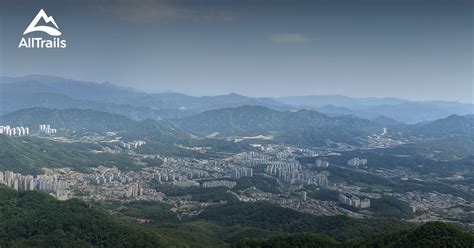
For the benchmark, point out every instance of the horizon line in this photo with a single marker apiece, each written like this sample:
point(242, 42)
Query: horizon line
point(152, 91)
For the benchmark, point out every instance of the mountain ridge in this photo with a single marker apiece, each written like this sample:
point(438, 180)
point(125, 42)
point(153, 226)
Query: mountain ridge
point(28, 91)
point(306, 127)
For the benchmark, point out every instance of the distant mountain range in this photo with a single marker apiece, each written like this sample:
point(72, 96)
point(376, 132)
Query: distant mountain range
point(54, 92)
point(397, 109)
point(338, 100)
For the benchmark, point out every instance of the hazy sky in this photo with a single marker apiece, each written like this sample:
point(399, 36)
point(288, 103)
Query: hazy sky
point(415, 49)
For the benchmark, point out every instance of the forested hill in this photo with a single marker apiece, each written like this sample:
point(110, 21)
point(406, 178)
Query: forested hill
point(80, 120)
point(430, 235)
point(303, 127)
point(34, 219)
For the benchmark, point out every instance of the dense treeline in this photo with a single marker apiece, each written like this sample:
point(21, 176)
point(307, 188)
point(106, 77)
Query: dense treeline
point(430, 235)
point(391, 207)
point(275, 218)
point(300, 240)
point(324, 195)
point(200, 194)
point(149, 211)
point(260, 182)
point(37, 219)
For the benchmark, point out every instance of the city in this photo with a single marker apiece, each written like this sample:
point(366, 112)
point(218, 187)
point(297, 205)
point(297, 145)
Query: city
point(289, 182)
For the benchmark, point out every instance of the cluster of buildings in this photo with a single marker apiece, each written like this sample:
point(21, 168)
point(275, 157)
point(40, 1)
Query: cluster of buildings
point(186, 183)
point(46, 183)
point(321, 163)
point(46, 129)
point(219, 183)
point(251, 159)
point(292, 173)
point(134, 191)
point(181, 169)
point(354, 201)
point(17, 181)
point(290, 152)
point(23, 131)
point(284, 155)
point(132, 145)
point(113, 184)
point(241, 172)
point(190, 175)
point(434, 202)
point(103, 178)
point(357, 161)
point(14, 131)
point(164, 177)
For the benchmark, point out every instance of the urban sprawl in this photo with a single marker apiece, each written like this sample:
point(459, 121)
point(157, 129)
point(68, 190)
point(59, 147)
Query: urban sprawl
point(275, 163)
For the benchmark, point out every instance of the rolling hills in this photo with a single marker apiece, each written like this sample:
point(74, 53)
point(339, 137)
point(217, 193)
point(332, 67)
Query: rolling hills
point(275, 218)
point(161, 137)
point(79, 120)
point(87, 120)
point(28, 155)
point(34, 219)
point(453, 125)
point(433, 235)
point(303, 127)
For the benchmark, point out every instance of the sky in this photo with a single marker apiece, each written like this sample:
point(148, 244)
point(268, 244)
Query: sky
point(412, 49)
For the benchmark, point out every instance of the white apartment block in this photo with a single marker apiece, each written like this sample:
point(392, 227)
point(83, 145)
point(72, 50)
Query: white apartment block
point(14, 131)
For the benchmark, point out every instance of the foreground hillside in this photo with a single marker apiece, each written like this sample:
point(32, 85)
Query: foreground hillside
point(430, 235)
point(275, 218)
point(434, 234)
point(34, 219)
point(31, 219)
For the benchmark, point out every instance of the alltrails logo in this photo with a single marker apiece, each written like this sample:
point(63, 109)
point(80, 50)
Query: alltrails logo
point(39, 42)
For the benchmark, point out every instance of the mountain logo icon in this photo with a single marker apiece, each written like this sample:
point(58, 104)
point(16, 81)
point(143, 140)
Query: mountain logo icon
point(47, 29)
